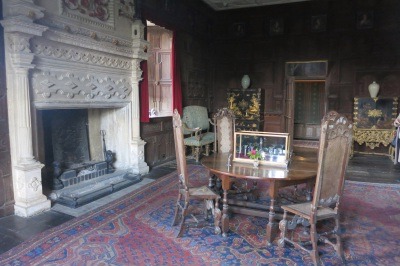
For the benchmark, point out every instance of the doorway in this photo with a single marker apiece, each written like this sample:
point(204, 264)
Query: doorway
point(309, 108)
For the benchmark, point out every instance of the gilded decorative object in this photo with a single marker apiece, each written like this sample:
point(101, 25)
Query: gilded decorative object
point(246, 105)
point(373, 137)
point(373, 121)
point(374, 113)
point(377, 113)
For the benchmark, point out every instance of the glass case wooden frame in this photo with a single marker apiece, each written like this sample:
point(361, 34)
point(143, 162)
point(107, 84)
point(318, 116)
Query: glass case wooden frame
point(269, 148)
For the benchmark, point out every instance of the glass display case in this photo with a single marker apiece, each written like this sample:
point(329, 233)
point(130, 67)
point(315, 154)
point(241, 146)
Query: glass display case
point(268, 148)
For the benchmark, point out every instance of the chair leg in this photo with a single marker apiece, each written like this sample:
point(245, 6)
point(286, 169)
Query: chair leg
point(197, 154)
point(283, 228)
point(177, 207)
point(207, 149)
point(212, 181)
point(217, 218)
point(314, 240)
point(181, 224)
point(207, 207)
point(338, 246)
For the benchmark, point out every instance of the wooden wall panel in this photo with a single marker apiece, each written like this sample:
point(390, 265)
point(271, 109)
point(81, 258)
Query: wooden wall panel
point(355, 56)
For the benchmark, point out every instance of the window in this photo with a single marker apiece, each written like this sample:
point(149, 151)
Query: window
point(159, 71)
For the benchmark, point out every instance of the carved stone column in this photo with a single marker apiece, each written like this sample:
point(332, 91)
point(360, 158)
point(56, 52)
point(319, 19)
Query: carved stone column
point(137, 144)
point(27, 180)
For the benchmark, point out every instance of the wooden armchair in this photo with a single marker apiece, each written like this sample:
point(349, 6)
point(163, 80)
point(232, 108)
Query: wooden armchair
point(197, 124)
point(188, 193)
point(334, 149)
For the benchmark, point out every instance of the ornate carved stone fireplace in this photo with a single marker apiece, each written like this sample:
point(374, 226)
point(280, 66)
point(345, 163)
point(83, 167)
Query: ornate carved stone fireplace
point(59, 57)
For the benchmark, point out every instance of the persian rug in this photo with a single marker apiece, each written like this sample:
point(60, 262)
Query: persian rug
point(136, 230)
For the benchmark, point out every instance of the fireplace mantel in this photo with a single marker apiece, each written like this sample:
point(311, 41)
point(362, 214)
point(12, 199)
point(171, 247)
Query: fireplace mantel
point(57, 58)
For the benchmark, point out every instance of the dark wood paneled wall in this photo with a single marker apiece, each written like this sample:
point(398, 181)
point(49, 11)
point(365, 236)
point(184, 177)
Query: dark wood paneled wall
point(6, 187)
point(214, 58)
point(193, 24)
point(356, 56)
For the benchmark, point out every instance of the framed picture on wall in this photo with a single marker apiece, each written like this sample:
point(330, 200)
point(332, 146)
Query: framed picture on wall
point(365, 19)
point(318, 23)
point(239, 29)
point(276, 26)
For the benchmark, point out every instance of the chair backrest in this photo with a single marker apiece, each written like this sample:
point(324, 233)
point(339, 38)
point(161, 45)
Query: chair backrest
point(180, 148)
point(334, 150)
point(196, 116)
point(224, 122)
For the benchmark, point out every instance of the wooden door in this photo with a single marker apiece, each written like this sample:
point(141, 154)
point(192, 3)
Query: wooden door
point(308, 109)
point(289, 109)
point(159, 71)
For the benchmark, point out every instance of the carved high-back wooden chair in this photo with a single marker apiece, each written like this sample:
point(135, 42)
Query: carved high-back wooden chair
point(188, 192)
point(224, 124)
point(334, 149)
point(224, 128)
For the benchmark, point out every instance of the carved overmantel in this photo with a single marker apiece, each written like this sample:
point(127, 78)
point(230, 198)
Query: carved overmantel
point(57, 58)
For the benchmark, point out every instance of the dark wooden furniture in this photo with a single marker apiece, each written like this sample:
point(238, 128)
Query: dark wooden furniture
point(188, 193)
point(159, 139)
point(248, 106)
point(299, 171)
point(373, 122)
point(334, 150)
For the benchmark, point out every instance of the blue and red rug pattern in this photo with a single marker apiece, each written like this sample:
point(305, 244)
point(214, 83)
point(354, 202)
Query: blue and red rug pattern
point(136, 230)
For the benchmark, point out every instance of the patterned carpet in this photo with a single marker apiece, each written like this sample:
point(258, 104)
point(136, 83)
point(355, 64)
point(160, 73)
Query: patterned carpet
point(136, 230)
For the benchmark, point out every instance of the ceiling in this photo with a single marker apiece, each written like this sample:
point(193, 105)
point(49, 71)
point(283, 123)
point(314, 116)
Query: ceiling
point(220, 5)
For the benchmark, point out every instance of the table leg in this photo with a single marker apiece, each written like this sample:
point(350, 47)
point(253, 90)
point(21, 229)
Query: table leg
point(225, 217)
point(272, 226)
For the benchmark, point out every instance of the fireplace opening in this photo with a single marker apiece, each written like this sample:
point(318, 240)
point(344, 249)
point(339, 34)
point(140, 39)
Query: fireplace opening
point(68, 132)
point(71, 176)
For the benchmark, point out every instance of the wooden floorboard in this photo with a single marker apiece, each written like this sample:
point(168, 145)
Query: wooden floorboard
point(364, 167)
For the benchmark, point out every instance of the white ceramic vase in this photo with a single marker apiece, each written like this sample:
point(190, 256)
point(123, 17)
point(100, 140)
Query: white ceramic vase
point(373, 89)
point(245, 81)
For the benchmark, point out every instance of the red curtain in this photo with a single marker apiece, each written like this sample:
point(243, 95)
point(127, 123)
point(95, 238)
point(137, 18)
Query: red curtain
point(176, 77)
point(144, 94)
